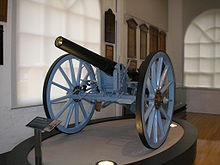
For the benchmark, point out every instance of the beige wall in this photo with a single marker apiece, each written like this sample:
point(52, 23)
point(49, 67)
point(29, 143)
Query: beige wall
point(181, 13)
point(203, 100)
point(154, 12)
point(175, 38)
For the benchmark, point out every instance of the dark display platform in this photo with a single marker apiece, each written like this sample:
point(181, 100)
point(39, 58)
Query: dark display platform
point(113, 139)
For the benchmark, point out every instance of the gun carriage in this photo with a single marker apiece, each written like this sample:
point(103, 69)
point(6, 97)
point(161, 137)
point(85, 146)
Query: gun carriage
point(88, 82)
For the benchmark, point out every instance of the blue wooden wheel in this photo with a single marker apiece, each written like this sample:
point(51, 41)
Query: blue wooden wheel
point(155, 99)
point(67, 81)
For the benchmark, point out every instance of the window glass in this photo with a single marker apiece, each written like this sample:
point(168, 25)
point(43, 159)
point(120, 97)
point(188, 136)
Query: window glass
point(202, 51)
point(38, 23)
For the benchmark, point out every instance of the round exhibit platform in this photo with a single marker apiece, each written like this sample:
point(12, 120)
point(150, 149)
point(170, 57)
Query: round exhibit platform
point(115, 140)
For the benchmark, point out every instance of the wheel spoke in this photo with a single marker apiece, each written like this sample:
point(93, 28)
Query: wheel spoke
point(60, 86)
point(76, 115)
point(153, 75)
point(86, 76)
point(83, 110)
point(165, 87)
point(155, 128)
point(79, 73)
point(164, 74)
point(65, 77)
point(69, 115)
point(166, 100)
point(149, 99)
point(164, 113)
point(150, 122)
point(160, 122)
point(159, 70)
point(59, 99)
point(72, 72)
point(85, 79)
point(149, 86)
point(63, 109)
point(148, 111)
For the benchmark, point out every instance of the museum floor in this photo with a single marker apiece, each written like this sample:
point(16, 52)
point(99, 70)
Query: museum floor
point(208, 143)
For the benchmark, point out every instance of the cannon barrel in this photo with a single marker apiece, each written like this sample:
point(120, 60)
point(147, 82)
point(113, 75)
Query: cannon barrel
point(98, 61)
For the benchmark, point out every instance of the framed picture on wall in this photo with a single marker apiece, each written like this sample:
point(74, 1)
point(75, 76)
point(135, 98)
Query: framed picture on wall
point(109, 26)
point(162, 41)
point(153, 35)
point(143, 41)
point(3, 10)
point(131, 45)
point(109, 52)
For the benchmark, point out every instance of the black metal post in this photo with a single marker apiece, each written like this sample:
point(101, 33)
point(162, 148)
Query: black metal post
point(38, 152)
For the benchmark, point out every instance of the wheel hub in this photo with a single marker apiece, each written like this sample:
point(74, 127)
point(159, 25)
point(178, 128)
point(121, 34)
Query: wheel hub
point(158, 99)
point(76, 91)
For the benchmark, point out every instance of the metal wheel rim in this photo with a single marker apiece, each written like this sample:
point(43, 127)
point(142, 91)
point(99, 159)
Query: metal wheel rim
point(71, 106)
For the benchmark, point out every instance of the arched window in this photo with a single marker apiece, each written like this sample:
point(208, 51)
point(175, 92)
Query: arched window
point(202, 51)
point(38, 23)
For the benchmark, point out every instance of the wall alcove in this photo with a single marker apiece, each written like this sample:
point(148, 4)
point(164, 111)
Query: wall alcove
point(202, 51)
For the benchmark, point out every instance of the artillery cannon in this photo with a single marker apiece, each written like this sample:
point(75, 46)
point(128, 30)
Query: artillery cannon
point(72, 75)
